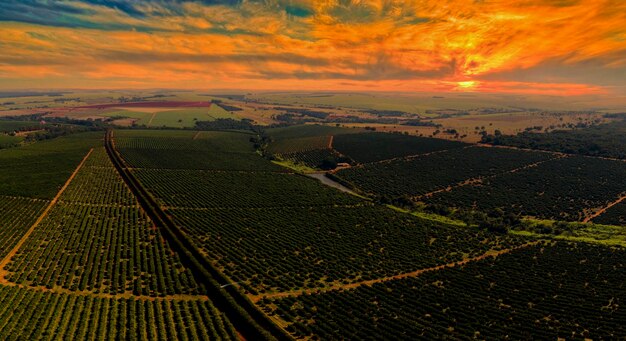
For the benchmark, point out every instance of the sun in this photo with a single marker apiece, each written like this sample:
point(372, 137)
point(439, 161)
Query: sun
point(467, 85)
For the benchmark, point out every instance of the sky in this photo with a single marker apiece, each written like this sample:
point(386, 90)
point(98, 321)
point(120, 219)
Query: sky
point(561, 47)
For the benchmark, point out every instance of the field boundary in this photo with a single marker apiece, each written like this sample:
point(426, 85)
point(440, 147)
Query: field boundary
point(477, 180)
point(247, 319)
point(604, 209)
point(5, 261)
point(416, 273)
point(415, 156)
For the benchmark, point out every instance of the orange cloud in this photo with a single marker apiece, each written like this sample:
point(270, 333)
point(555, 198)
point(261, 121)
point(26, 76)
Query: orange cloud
point(451, 45)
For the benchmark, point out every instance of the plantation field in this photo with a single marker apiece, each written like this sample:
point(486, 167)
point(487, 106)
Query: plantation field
point(569, 189)
point(282, 249)
point(424, 174)
point(34, 315)
point(206, 189)
point(16, 217)
point(303, 144)
point(38, 170)
point(179, 150)
point(272, 231)
point(567, 291)
point(212, 224)
point(604, 140)
point(96, 238)
point(371, 147)
point(312, 158)
point(309, 130)
point(615, 215)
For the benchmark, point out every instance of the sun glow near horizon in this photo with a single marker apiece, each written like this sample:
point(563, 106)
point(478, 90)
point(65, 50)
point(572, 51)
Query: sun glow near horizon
point(560, 47)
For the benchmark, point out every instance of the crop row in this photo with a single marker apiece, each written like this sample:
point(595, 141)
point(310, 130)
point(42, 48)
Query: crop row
point(33, 315)
point(184, 188)
point(303, 144)
point(195, 159)
point(284, 249)
point(98, 185)
point(96, 238)
point(101, 249)
point(615, 215)
point(424, 174)
point(567, 291)
point(206, 141)
point(16, 216)
point(562, 189)
point(312, 158)
point(371, 147)
point(38, 170)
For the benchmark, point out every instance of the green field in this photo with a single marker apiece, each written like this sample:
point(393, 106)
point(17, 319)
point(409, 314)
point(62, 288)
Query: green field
point(38, 170)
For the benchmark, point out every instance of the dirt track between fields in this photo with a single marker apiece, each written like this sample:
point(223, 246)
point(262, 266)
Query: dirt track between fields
point(19, 244)
point(604, 209)
point(416, 273)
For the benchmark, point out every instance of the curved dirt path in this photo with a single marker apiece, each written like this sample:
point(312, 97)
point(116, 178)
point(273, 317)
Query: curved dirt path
point(415, 273)
point(19, 244)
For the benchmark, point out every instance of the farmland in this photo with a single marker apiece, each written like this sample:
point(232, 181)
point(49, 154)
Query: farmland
point(199, 235)
point(317, 247)
point(545, 291)
point(38, 170)
point(604, 140)
point(564, 189)
point(93, 261)
point(43, 315)
point(243, 232)
point(371, 147)
point(420, 175)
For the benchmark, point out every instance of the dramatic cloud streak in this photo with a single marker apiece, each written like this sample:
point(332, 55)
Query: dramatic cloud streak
point(550, 46)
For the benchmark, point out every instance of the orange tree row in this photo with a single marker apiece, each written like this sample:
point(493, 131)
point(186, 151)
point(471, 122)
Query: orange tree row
point(424, 174)
point(33, 315)
point(207, 189)
point(96, 238)
point(280, 249)
point(561, 189)
point(372, 147)
point(569, 291)
point(16, 217)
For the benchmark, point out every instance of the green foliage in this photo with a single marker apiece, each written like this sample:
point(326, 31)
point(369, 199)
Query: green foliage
point(606, 140)
point(560, 189)
point(34, 315)
point(96, 238)
point(16, 216)
point(209, 151)
point(566, 291)
point(428, 173)
point(192, 188)
point(8, 141)
point(38, 170)
point(287, 248)
point(302, 144)
point(371, 147)
point(308, 130)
